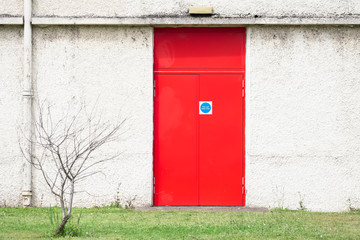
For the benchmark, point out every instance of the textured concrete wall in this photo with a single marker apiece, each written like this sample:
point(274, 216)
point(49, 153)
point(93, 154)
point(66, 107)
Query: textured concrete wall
point(262, 8)
point(113, 67)
point(303, 117)
point(175, 8)
point(11, 162)
point(11, 7)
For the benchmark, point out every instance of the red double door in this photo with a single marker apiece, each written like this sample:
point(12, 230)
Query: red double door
point(199, 116)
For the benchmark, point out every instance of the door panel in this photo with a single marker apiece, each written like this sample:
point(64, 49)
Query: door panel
point(199, 48)
point(220, 141)
point(176, 170)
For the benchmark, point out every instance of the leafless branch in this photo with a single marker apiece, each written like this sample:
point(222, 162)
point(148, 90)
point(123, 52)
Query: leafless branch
point(64, 150)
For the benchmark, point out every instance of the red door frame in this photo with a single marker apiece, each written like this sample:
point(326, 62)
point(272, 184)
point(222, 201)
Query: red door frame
point(243, 72)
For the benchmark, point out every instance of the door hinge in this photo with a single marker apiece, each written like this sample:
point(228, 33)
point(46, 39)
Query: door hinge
point(154, 87)
point(154, 185)
point(243, 185)
point(243, 87)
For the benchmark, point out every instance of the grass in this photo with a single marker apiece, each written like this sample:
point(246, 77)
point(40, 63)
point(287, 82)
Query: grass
point(117, 223)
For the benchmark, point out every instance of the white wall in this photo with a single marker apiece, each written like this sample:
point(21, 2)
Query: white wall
point(113, 67)
point(172, 8)
point(11, 7)
point(110, 67)
point(302, 98)
point(303, 117)
point(164, 7)
point(11, 162)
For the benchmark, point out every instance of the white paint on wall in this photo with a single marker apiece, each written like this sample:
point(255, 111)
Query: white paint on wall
point(302, 103)
point(11, 69)
point(133, 8)
point(303, 117)
point(112, 68)
point(11, 7)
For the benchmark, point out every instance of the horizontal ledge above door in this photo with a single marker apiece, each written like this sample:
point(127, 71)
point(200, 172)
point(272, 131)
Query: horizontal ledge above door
point(182, 21)
point(191, 21)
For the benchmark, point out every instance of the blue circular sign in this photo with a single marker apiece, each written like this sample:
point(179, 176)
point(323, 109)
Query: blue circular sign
point(205, 107)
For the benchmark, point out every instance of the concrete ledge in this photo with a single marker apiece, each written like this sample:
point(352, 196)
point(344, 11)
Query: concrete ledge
point(183, 21)
point(11, 20)
point(210, 209)
point(186, 20)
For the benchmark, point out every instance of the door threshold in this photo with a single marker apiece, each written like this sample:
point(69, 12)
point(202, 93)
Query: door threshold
point(205, 208)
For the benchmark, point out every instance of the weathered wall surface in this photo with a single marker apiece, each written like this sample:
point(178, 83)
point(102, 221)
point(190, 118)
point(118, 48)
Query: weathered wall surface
point(11, 7)
point(303, 117)
point(112, 68)
point(11, 69)
point(261, 8)
point(176, 8)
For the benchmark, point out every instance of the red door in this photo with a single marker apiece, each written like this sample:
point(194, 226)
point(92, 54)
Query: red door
point(199, 116)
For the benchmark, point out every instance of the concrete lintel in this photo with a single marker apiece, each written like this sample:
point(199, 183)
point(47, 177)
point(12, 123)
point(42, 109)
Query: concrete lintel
point(11, 20)
point(177, 21)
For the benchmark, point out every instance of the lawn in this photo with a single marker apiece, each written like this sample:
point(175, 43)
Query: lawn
point(116, 223)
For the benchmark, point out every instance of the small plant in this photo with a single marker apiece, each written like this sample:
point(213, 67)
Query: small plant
point(71, 231)
point(301, 202)
point(41, 200)
point(53, 216)
point(130, 203)
point(350, 206)
point(116, 202)
point(4, 204)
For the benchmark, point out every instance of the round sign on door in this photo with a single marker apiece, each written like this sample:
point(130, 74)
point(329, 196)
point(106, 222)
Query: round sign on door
point(205, 107)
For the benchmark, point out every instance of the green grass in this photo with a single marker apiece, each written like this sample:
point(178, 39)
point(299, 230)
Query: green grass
point(116, 223)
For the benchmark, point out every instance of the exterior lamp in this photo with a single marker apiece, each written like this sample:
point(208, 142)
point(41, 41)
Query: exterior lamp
point(202, 10)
